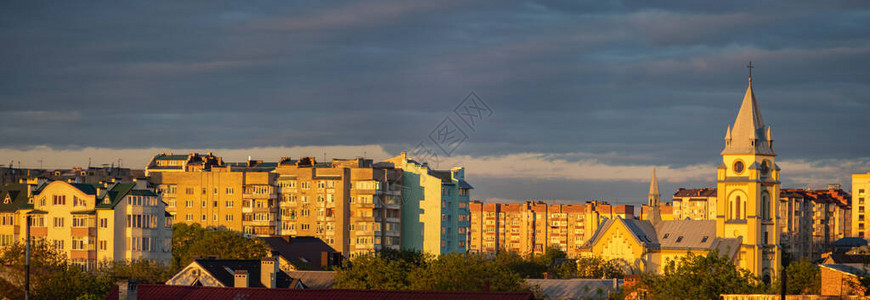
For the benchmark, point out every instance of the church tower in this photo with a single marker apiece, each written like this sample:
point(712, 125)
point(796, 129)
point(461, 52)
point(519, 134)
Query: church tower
point(653, 200)
point(748, 190)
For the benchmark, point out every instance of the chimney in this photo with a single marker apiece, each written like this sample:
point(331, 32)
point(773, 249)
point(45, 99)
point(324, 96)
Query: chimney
point(240, 278)
point(127, 289)
point(268, 270)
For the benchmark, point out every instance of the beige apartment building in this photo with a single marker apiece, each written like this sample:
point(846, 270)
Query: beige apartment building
point(694, 204)
point(353, 205)
point(89, 223)
point(203, 189)
point(531, 227)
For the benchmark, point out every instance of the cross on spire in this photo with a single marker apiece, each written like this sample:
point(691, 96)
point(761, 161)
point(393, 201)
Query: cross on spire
point(750, 69)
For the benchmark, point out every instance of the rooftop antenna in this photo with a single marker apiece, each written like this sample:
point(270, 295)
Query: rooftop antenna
point(40, 163)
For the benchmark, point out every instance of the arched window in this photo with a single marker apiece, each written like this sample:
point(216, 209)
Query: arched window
point(738, 215)
point(731, 210)
point(765, 206)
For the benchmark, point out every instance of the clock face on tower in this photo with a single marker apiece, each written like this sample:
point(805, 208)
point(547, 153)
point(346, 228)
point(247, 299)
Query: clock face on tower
point(738, 167)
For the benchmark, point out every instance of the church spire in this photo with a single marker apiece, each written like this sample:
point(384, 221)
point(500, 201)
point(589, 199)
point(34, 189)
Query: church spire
point(748, 135)
point(654, 187)
point(653, 199)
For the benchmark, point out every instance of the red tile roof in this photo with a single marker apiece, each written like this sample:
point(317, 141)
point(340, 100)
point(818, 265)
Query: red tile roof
point(171, 292)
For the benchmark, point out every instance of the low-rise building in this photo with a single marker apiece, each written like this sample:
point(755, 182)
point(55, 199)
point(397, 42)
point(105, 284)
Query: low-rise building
point(263, 273)
point(90, 223)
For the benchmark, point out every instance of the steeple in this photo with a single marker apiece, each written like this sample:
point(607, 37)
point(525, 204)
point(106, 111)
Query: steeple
point(654, 188)
point(748, 136)
point(653, 200)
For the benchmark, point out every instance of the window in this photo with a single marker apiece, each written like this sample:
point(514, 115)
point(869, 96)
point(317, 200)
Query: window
point(204, 218)
point(229, 218)
point(58, 200)
point(229, 204)
point(189, 217)
point(230, 191)
point(306, 185)
point(58, 244)
point(80, 221)
point(103, 245)
point(738, 167)
point(214, 218)
point(305, 226)
point(188, 191)
point(78, 243)
point(204, 205)
point(58, 222)
point(189, 203)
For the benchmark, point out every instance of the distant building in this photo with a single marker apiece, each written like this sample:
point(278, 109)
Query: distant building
point(90, 223)
point(860, 211)
point(841, 280)
point(203, 189)
point(435, 215)
point(263, 273)
point(531, 227)
point(353, 205)
point(694, 204)
point(302, 253)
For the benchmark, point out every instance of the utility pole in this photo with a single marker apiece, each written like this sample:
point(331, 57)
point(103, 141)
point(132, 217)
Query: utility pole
point(27, 259)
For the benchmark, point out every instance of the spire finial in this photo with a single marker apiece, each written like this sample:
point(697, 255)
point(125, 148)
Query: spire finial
point(750, 70)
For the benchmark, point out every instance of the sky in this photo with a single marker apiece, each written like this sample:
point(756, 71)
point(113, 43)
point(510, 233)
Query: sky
point(582, 98)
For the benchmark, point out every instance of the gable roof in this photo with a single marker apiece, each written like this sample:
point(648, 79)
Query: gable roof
point(297, 250)
point(641, 230)
point(222, 270)
point(17, 194)
point(159, 291)
point(315, 279)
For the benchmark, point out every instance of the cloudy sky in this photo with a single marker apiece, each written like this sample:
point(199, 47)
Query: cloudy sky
point(585, 99)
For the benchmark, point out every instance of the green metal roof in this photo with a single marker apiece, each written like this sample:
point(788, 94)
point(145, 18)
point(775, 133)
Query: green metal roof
point(17, 194)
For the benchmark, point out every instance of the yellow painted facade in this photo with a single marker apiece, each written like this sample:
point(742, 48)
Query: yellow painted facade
point(92, 223)
point(860, 203)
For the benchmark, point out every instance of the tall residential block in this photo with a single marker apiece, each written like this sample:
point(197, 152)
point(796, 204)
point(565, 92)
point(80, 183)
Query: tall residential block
point(203, 189)
point(532, 227)
point(89, 223)
point(353, 205)
point(860, 189)
point(435, 215)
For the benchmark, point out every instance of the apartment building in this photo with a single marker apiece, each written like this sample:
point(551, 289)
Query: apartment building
point(694, 204)
point(829, 214)
point(89, 223)
point(860, 188)
point(353, 205)
point(435, 215)
point(796, 226)
point(202, 189)
point(530, 228)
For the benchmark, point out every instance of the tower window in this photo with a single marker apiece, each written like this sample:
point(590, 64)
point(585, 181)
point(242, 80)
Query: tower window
point(738, 167)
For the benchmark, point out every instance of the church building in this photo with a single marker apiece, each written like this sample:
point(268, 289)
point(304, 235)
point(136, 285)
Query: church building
point(745, 225)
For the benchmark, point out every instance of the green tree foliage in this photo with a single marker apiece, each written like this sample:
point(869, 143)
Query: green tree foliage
point(525, 268)
point(402, 270)
point(373, 272)
point(701, 277)
point(465, 272)
point(189, 241)
point(53, 277)
point(803, 278)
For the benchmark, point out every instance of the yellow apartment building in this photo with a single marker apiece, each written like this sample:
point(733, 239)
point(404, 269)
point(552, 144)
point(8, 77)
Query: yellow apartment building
point(353, 205)
point(694, 204)
point(238, 196)
point(860, 190)
point(532, 227)
point(90, 223)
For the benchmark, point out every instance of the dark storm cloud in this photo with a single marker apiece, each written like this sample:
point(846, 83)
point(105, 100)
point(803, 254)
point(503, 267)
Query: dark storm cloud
point(650, 82)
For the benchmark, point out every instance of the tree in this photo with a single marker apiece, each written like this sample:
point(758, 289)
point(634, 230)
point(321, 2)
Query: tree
point(701, 277)
point(465, 272)
point(189, 241)
point(802, 278)
point(373, 272)
point(525, 268)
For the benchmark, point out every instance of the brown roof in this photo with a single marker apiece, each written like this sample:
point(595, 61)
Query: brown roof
point(159, 291)
point(702, 192)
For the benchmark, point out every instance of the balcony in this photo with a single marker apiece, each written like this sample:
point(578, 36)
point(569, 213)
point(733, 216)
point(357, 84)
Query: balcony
point(83, 231)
